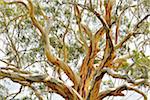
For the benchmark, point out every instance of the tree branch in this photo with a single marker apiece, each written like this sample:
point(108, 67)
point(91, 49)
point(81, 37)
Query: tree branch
point(141, 21)
point(126, 78)
point(118, 92)
point(131, 33)
point(87, 70)
point(109, 53)
point(104, 23)
point(15, 94)
point(80, 26)
point(37, 93)
point(16, 1)
point(118, 22)
point(116, 75)
point(51, 58)
point(48, 53)
point(27, 79)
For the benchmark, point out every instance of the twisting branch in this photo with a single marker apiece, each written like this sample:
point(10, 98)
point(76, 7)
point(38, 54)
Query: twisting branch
point(48, 53)
point(87, 70)
point(104, 23)
point(51, 58)
point(109, 53)
point(27, 79)
point(80, 26)
point(118, 92)
point(65, 51)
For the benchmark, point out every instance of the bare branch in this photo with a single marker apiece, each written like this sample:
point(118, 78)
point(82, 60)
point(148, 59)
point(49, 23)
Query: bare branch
point(27, 79)
point(14, 69)
point(131, 33)
point(7, 63)
point(15, 94)
point(126, 78)
point(116, 75)
point(118, 92)
point(118, 22)
point(138, 24)
point(37, 93)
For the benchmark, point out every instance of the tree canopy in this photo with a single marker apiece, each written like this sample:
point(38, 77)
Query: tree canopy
point(78, 49)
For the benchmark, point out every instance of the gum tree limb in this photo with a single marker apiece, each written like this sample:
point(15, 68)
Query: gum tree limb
point(51, 58)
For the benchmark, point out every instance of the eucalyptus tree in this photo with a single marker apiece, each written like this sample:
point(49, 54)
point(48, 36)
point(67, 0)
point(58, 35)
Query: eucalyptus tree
point(78, 49)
